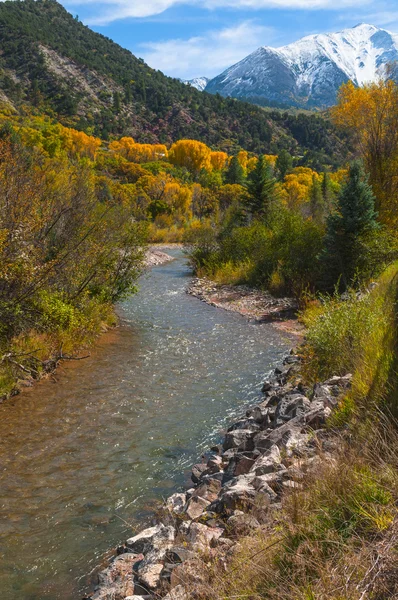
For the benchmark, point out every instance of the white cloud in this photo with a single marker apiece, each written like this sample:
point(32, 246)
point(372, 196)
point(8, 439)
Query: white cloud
point(119, 9)
point(208, 54)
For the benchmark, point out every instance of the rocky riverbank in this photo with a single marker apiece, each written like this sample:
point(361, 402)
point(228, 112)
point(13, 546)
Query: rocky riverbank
point(155, 257)
point(255, 304)
point(238, 488)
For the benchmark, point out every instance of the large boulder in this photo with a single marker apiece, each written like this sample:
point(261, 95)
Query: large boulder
point(197, 472)
point(238, 493)
point(117, 581)
point(242, 439)
point(157, 537)
point(291, 405)
point(196, 506)
point(149, 575)
point(268, 462)
point(264, 440)
point(200, 536)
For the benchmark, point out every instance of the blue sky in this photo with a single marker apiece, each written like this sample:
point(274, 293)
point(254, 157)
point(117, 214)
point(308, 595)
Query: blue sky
point(191, 38)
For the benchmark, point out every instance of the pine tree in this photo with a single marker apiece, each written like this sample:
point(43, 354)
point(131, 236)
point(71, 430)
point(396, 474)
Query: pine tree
point(116, 102)
point(327, 192)
point(235, 173)
point(261, 189)
point(283, 164)
point(350, 230)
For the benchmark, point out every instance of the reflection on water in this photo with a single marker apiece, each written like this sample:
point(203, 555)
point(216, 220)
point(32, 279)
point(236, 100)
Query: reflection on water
point(81, 458)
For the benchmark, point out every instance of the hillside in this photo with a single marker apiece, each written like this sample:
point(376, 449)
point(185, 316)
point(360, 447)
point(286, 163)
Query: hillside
point(54, 64)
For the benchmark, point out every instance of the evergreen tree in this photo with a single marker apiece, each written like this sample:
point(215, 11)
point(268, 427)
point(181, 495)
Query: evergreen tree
point(350, 232)
point(327, 192)
point(261, 189)
point(284, 164)
point(317, 205)
point(235, 173)
point(116, 102)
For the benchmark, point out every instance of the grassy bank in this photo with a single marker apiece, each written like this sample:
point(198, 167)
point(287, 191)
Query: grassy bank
point(336, 536)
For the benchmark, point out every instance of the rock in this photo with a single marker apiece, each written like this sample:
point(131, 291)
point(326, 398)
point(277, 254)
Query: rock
point(117, 581)
point(261, 484)
point(241, 524)
point(183, 527)
point(189, 575)
point(318, 415)
point(214, 465)
point(344, 382)
point(178, 554)
point(243, 464)
point(245, 424)
point(291, 406)
point(259, 414)
point(196, 507)
point(239, 494)
point(208, 489)
point(242, 439)
point(197, 472)
point(178, 593)
point(201, 536)
point(176, 503)
point(291, 360)
point(267, 387)
point(154, 537)
point(297, 443)
point(292, 485)
point(268, 462)
point(149, 575)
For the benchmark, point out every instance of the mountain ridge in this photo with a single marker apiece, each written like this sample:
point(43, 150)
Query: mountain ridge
point(309, 72)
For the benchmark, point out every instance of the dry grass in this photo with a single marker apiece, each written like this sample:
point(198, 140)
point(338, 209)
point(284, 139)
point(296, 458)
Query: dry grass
point(335, 540)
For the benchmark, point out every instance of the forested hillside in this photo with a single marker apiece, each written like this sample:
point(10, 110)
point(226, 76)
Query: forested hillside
point(52, 62)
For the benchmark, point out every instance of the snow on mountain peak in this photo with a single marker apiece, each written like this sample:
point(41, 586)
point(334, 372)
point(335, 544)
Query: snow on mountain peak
point(311, 70)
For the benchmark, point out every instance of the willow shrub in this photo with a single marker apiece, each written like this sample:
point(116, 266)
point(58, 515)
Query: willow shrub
point(282, 257)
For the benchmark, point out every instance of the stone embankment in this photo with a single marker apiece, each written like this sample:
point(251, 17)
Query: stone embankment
point(236, 489)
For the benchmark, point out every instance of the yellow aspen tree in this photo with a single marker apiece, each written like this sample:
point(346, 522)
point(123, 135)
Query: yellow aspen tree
point(191, 154)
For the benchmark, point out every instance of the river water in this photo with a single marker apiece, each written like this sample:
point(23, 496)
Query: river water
point(83, 460)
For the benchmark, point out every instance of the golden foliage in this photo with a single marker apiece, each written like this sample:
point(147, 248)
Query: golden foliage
point(138, 153)
point(191, 154)
point(371, 113)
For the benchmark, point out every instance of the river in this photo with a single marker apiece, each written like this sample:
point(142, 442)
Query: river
point(84, 460)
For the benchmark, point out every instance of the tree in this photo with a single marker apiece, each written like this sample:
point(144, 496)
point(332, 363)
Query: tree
point(116, 102)
point(235, 173)
point(350, 231)
point(327, 192)
point(371, 114)
point(218, 160)
point(261, 189)
point(284, 164)
point(191, 154)
point(317, 205)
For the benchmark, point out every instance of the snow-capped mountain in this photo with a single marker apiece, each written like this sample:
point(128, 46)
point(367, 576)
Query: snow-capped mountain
point(309, 72)
point(198, 82)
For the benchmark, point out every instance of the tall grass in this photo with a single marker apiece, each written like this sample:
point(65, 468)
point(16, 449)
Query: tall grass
point(356, 335)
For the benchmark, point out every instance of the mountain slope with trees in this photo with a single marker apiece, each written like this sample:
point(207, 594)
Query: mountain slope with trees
point(52, 62)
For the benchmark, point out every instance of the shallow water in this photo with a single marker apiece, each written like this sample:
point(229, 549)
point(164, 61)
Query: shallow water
point(83, 460)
